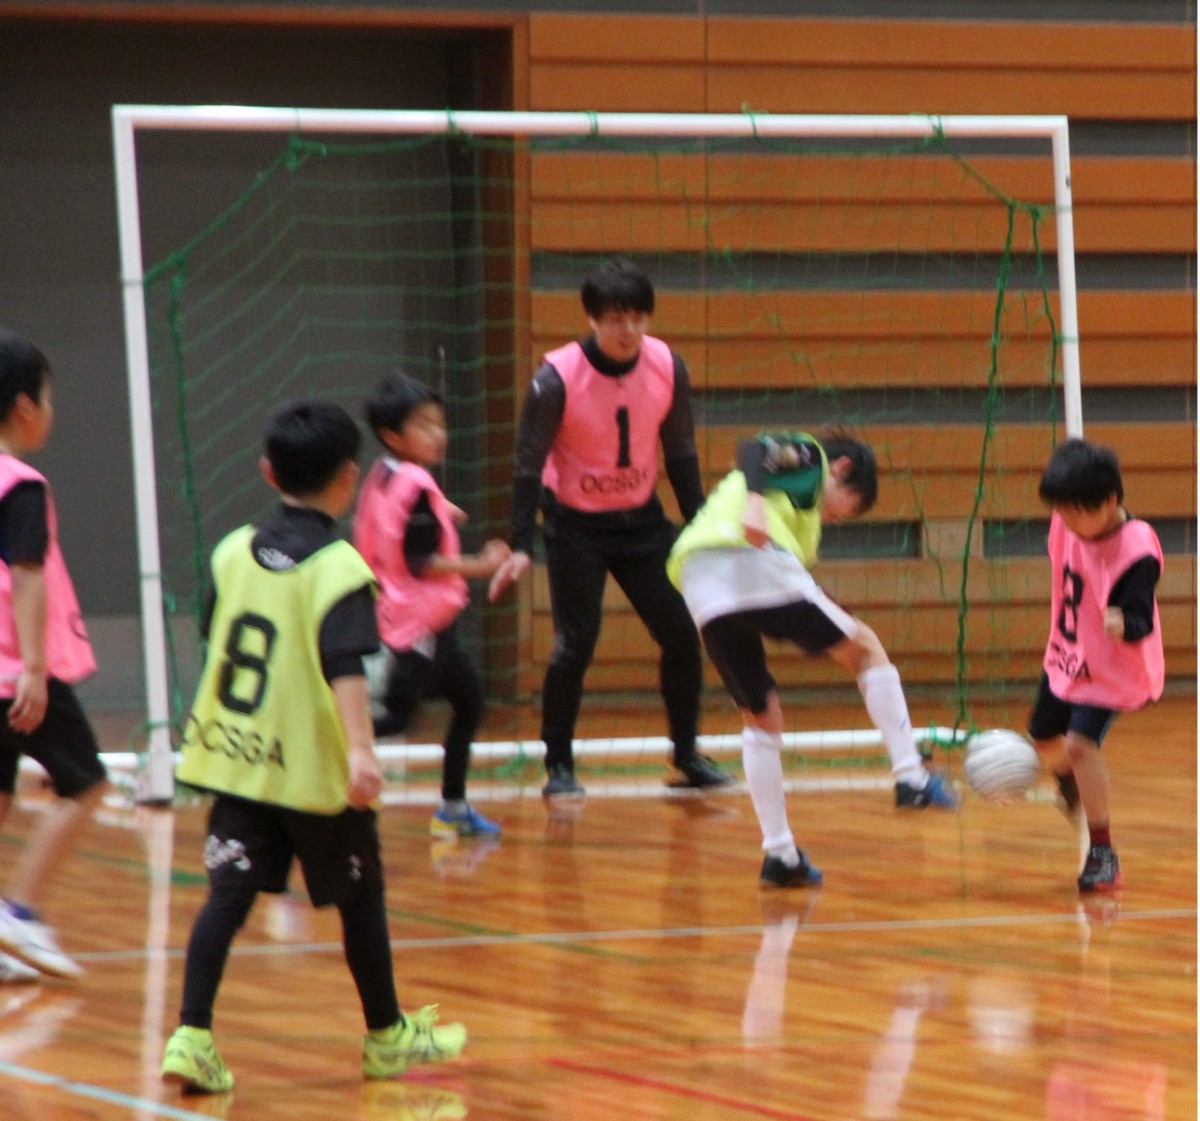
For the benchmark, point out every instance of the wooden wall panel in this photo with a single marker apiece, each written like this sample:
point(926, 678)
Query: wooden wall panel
point(652, 87)
point(1161, 492)
point(930, 44)
point(843, 204)
point(956, 448)
point(931, 668)
point(902, 629)
point(951, 90)
point(889, 585)
point(600, 40)
point(1105, 71)
point(860, 66)
point(912, 607)
point(936, 340)
point(775, 339)
point(617, 63)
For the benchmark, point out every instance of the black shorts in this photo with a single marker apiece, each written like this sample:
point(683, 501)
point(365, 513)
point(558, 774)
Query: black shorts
point(338, 853)
point(1053, 717)
point(735, 646)
point(63, 743)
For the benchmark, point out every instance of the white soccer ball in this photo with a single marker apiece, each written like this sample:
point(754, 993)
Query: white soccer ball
point(1001, 765)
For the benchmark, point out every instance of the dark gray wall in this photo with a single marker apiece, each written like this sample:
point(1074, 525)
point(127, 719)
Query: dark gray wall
point(59, 269)
point(1139, 11)
point(58, 237)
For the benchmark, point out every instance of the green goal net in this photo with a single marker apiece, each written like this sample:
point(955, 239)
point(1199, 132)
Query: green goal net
point(903, 287)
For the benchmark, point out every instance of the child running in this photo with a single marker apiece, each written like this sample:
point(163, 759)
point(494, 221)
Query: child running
point(406, 529)
point(1105, 650)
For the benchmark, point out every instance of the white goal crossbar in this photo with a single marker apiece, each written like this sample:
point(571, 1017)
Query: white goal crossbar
point(155, 780)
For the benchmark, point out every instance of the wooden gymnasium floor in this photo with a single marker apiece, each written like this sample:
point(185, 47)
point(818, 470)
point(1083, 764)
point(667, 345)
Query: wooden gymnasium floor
point(624, 964)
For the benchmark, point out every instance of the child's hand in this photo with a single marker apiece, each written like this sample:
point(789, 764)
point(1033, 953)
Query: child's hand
point(508, 574)
point(754, 521)
point(366, 779)
point(457, 514)
point(1114, 622)
point(28, 709)
point(493, 554)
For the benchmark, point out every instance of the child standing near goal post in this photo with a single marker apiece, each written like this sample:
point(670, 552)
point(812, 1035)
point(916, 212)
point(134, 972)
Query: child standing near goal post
point(406, 530)
point(44, 650)
point(1105, 650)
point(280, 732)
point(743, 567)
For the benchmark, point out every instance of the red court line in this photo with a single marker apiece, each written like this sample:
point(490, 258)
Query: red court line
point(680, 1091)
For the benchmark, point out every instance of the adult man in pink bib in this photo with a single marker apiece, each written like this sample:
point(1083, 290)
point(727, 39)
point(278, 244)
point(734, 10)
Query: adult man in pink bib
point(587, 453)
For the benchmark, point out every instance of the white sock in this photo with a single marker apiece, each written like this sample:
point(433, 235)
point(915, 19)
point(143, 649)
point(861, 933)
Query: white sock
point(884, 698)
point(763, 768)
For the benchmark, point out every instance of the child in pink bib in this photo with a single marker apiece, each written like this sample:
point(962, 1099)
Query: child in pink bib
point(1105, 650)
point(44, 652)
point(407, 530)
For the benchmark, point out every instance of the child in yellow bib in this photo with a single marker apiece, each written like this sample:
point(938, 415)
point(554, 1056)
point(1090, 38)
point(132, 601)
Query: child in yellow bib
point(743, 566)
point(280, 732)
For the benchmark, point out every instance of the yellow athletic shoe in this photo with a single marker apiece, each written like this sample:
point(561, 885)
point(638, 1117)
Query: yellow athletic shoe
point(192, 1061)
point(414, 1038)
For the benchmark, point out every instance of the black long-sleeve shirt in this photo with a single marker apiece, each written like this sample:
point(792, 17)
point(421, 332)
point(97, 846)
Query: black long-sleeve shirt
point(1133, 593)
point(24, 524)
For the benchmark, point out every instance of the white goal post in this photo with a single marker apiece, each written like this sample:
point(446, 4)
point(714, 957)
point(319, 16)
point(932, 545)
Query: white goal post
point(155, 782)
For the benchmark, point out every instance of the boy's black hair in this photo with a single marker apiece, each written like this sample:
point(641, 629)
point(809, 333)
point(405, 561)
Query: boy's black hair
point(863, 476)
point(1081, 475)
point(388, 407)
point(617, 286)
point(23, 370)
point(308, 443)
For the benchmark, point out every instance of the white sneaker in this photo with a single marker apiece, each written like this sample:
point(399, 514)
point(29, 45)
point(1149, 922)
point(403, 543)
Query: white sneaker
point(35, 944)
point(14, 972)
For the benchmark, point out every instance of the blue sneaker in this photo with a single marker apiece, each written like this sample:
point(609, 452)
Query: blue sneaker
point(936, 793)
point(467, 823)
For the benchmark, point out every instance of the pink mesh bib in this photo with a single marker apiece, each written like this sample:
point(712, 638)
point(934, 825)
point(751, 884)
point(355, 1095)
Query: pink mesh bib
point(605, 455)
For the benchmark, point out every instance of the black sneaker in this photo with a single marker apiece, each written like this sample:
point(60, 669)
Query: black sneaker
point(561, 783)
point(1101, 870)
point(775, 873)
point(936, 793)
point(1068, 795)
point(697, 772)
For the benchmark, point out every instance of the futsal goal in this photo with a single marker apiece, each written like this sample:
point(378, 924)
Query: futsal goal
point(909, 278)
